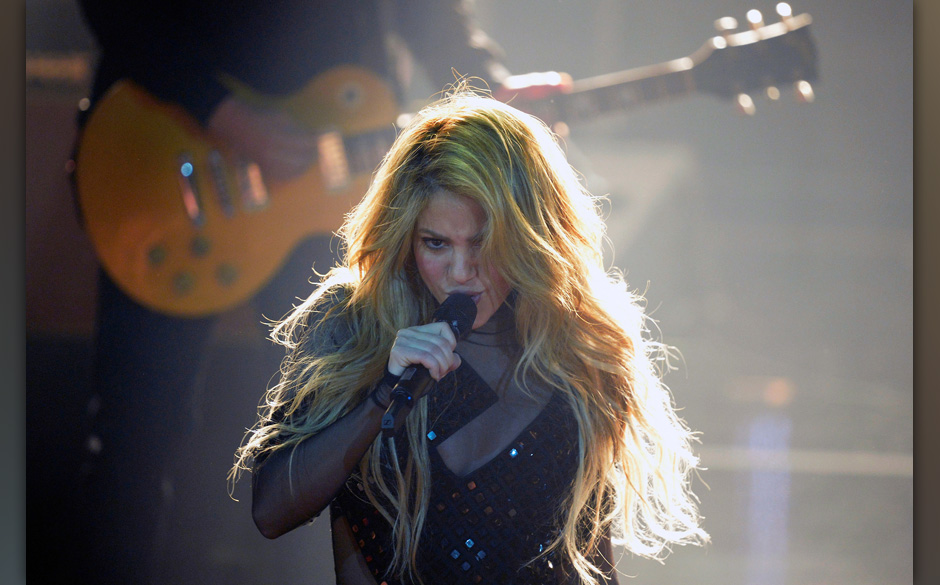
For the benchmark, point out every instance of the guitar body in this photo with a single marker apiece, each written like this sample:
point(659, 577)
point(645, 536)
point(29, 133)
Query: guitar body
point(167, 208)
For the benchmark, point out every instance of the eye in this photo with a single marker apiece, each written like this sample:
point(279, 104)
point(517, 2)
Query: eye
point(433, 243)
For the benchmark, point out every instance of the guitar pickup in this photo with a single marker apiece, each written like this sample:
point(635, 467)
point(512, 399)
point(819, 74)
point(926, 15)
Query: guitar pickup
point(217, 168)
point(189, 190)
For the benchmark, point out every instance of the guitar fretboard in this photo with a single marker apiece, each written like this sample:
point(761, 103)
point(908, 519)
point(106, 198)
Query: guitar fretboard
point(589, 98)
point(365, 151)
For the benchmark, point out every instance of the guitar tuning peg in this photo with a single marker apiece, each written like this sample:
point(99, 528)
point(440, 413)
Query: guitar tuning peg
point(773, 93)
point(744, 104)
point(726, 25)
point(804, 92)
point(786, 14)
point(755, 18)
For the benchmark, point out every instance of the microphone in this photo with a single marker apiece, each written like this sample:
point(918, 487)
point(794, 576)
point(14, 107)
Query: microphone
point(458, 311)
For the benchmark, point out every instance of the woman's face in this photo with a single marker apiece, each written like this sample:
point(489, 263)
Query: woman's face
point(446, 246)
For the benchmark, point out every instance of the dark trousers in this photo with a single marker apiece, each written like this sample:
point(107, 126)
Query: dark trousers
point(147, 368)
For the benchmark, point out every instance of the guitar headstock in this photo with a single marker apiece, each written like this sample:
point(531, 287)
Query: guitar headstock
point(760, 58)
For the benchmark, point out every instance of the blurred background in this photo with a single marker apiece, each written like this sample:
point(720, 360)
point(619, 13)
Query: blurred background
point(775, 251)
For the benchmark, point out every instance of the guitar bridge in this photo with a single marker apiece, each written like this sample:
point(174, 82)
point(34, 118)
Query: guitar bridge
point(253, 192)
point(332, 161)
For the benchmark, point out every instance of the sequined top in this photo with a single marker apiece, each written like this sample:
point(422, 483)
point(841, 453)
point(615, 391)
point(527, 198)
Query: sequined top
point(484, 526)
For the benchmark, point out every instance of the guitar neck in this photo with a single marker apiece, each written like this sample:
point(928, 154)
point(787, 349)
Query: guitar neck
point(626, 90)
point(725, 66)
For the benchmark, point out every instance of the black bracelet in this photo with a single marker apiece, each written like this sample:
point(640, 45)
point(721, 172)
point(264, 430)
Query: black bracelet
point(375, 398)
point(388, 381)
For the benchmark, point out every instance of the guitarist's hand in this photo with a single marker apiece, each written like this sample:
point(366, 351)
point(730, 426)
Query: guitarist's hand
point(272, 139)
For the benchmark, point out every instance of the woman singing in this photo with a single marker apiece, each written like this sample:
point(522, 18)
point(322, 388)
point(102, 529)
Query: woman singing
point(545, 435)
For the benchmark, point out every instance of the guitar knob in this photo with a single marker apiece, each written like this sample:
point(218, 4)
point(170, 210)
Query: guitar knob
point(226, 274)
point(804, 92)
point(755, 19)
point(773, 93)
point(156, 255)
point(184, 283)
point(200, 247)
point(745, 104)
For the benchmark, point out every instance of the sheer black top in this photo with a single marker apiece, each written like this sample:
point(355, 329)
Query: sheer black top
point(502, 455)
point(502, 462)
point(484, 524)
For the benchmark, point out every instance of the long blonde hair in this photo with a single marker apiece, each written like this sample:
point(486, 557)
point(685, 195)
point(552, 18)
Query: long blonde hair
point(583, 332)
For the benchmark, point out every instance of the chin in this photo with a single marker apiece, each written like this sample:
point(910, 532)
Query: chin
point(484, 314)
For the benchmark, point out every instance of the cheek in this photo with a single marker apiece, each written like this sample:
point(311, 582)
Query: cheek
point(429, 268)
point(497, 285)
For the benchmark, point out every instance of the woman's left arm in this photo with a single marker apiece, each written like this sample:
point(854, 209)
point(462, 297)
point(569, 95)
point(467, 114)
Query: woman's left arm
point(604, 560)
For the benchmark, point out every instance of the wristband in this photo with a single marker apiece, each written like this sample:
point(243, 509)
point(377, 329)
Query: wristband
point(387, 383)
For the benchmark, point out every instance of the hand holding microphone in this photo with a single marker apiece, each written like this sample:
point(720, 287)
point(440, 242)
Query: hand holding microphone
point(431, 346)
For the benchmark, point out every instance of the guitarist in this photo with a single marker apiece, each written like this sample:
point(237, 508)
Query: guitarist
point(146, 363)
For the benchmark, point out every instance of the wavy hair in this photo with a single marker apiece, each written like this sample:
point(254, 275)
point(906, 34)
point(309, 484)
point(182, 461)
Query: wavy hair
point(583, 332)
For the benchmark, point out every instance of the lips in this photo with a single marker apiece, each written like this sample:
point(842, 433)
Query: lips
point(473, 295)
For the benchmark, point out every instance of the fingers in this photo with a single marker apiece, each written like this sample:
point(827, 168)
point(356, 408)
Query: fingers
point(282, 148)
point(280, 164)
point(272, 139)
point(431, 346)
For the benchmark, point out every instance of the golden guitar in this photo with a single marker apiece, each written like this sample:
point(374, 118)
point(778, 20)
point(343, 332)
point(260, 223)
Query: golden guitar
point(185, 228)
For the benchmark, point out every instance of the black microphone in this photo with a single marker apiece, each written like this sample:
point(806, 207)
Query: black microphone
point(458, 311)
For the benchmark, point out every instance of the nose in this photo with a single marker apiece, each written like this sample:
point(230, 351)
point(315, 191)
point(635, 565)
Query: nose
point(464, 267)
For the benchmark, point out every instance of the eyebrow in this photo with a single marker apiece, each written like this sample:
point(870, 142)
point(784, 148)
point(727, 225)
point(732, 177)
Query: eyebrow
point(431, 233)
point(477, 237)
